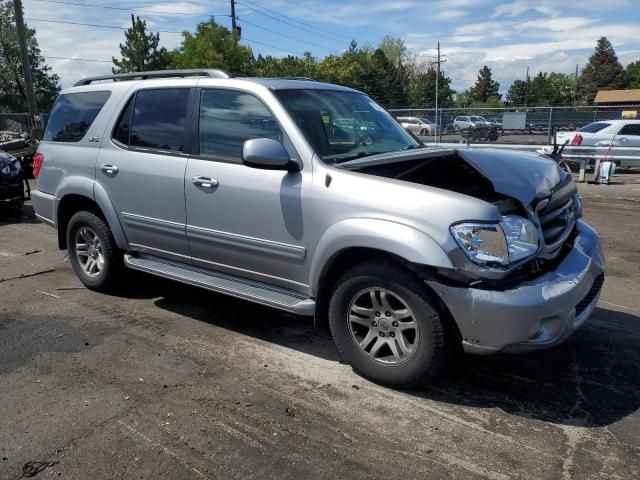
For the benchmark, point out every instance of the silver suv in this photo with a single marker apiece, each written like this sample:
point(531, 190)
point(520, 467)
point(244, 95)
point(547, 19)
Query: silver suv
point(312, 199)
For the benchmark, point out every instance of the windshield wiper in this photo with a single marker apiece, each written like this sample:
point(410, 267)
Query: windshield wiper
point(411, 147)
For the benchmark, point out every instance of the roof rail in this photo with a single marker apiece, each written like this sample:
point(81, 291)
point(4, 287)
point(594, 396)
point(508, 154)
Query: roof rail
point(211, 73)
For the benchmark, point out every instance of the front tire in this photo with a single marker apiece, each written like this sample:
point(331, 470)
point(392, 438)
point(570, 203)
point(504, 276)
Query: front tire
point(93, 253)
point(386, 324)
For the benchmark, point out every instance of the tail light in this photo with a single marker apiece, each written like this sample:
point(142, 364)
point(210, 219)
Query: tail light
point(38, 158)
point(577, 140)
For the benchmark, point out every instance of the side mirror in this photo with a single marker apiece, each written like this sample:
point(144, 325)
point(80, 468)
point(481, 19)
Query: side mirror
point(267, 154)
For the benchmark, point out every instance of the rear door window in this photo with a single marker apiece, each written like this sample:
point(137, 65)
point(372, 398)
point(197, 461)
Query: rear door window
point(73, 114)
point(631, 129)
point(158, 119)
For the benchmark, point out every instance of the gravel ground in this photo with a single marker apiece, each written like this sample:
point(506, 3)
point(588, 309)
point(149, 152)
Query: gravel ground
point(167, 381)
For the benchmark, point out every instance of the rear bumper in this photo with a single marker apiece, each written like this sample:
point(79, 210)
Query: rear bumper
point(537, 314)
point(44, 206)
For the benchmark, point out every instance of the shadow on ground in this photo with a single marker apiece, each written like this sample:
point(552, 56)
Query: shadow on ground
point(591, 380)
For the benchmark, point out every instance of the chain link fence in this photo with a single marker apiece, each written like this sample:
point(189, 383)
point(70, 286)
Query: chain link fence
point(529, 128)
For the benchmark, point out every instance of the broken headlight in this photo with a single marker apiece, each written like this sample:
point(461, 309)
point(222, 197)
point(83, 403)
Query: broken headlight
point(503, 243)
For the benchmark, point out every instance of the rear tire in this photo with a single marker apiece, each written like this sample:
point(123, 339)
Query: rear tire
point(94, 256)
point(386, 324)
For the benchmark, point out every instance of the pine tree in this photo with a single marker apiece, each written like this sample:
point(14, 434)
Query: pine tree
point(602, 72)
point(485, 87)
point(12, 89)
point(633, 74)
point(140, 50)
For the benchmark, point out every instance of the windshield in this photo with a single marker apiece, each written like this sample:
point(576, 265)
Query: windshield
point(426, 120)
point(478, 119)
point(594, 127)
point(344, 125)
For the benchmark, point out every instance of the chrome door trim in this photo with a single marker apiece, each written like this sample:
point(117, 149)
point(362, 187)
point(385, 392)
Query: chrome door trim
point(251, 245)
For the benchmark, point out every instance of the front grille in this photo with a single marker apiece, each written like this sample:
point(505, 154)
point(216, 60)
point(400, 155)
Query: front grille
point(593, 292)
point(557, 217)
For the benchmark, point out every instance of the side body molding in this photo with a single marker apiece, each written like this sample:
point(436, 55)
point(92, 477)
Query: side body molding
point(395, 238)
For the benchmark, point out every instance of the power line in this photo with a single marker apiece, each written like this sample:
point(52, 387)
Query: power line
point(141, 9)
point(316, 12)
point(301, 22)
point(270, 46)
point(281, 34)
point(92, 25)
point(78, 59)
point(288, 23)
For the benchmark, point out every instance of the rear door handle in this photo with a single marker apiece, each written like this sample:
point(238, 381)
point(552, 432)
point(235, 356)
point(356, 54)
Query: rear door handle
point(204, 182)
point(109, 169)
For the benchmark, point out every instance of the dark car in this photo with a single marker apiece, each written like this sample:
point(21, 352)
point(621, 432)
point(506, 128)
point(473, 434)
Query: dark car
point(11, 181)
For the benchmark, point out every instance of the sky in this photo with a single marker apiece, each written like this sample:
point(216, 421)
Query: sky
point(508, 36)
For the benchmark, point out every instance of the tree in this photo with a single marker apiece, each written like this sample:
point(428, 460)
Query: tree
point(602, 72)
point(214, 46)
point(384, 82)
point(485, 87)
point(394, 49)
point(422, 90)
point(289, 66)
point(12, 89)
point(518, 93)
point(140, 50)
point(633, 74)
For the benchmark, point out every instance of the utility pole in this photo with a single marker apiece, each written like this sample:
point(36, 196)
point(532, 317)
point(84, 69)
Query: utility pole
point(26, 67)
point(234, 20)
point(437, 89)
point(526, 89)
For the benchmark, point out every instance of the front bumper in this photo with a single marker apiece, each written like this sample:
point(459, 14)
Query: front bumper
point(536, 314)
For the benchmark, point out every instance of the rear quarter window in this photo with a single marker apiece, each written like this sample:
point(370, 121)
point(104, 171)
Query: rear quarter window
point(594, 127)
point(73, 114)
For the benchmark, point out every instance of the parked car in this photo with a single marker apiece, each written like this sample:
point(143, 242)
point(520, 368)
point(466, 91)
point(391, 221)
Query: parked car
point(11, 182)
point(465, 122)
point(609, 133)
point(418, 125)
point(236, 185)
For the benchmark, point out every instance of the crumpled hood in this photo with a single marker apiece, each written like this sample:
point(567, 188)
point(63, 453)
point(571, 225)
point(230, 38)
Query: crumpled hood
point(521, 175)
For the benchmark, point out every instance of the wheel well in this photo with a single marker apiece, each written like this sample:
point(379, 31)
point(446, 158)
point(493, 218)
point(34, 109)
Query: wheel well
point(68, 207)
point(350, 257)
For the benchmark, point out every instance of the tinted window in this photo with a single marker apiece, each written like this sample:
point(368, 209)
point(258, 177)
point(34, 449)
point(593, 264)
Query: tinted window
point(159, 119)
point(229, 118)
point(631, 129)
point(594, 127)
point(73, 114)
point(123, 128)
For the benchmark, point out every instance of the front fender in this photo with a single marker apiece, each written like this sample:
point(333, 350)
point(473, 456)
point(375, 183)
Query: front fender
point(404, 241)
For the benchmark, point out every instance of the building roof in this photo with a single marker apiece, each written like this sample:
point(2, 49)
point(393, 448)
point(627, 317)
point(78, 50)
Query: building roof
point(618, 96)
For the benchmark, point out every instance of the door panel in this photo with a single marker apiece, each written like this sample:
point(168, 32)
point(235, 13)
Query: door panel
point(142, 170)
point(244, 221)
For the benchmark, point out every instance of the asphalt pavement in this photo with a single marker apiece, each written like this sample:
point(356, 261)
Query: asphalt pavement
point(167, 381)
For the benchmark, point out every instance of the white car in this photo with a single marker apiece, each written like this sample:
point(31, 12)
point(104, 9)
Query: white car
point(464, 122)
point(418, 126)
point(622, 134)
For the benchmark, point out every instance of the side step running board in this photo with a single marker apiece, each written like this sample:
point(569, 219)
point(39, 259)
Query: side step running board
point(250, 290)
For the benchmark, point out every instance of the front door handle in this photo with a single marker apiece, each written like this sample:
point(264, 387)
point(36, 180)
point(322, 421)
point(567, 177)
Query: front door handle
point(204, 182)
point(109, 169)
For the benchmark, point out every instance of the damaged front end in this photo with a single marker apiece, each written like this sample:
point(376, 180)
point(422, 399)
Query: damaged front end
point(536, 199)
point(504, 300)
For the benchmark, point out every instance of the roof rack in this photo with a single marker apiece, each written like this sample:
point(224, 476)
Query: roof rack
point(211, 73)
